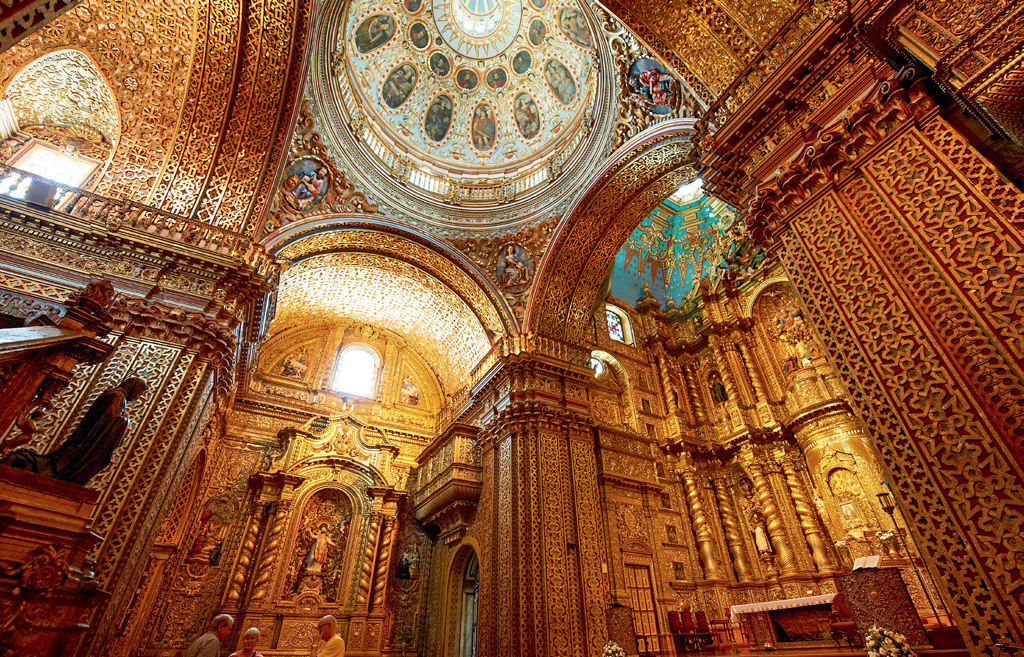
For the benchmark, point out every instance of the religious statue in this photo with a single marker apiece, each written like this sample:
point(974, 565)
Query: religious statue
point(409, 561)
point(317, 556)
point(761, 539)
point(718, 392)
point(90, 448)
point(741, 258)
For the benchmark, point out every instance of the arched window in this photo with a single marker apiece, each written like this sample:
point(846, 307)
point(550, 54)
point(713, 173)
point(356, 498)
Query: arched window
point(356, 371)
point(618, 325)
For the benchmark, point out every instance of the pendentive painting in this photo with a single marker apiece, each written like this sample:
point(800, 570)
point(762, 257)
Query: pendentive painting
point(514, 267)
point(374, 32)
point(653, 87)
point(306, 181)
point(574, 24)
point(527, 116)
point(561, 81)
point(398, 86)
point(440, 65)
point(467, 79)
point(438, 119)
point(483, 131)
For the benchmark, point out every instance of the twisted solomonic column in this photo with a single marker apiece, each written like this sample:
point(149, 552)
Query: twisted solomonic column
point(730, 525)
point(380, 577)
point(705, 539)
point(812, 532)
point(252, 533)
point(270, 551)
point(776, 526)
point(366, 567)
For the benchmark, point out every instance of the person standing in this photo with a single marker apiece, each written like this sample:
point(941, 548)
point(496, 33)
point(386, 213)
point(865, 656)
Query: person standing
point(249, 640)
point(208, 645)
point(334, 645)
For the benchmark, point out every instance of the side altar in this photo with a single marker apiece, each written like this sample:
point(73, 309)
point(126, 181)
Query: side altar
point(785, 621)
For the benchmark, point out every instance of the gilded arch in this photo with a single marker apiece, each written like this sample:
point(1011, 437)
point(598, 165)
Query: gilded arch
point(648, 170)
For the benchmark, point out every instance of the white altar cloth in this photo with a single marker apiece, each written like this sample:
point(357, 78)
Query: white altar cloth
point(736, 610)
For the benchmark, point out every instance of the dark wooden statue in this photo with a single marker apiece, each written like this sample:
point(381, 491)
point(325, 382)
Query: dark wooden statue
point(89, 449)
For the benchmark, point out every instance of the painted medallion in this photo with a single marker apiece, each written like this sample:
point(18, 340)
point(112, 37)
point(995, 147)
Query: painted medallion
point(483, 131)
point(467, 79)
point(537, 31)
point(497, 78)
point(412, 6)
point(653, 87)
point(561, 81)
point(527, 116)
point(521, 62)
point(574, 24)
point(398, 86)
point(418, 35)
point(438, 119)
point(374, 32)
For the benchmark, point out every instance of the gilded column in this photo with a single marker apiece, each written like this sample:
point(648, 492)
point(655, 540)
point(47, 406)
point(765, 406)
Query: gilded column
point(694, 391)
point(724, 369)
point(776, 526)
point(743, 377)
point(730, 525)
point(807, 523)
point(366, 567)
point(240, 576)
point(275, 538)
point(705, 539)
point(380, 576)
point(751, 365)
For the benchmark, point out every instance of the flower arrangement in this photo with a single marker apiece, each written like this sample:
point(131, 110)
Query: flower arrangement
point(612, 649)
point(769, 646)
point(881, 642)
point(887, 535)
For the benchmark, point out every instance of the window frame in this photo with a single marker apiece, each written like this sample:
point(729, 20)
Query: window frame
point(627, 325)
point(336, 370)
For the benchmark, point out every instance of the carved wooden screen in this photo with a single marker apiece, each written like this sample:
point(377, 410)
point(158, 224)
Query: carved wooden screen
point(641, 599)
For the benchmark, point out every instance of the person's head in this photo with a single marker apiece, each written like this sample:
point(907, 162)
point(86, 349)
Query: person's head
point(133, 388)
point(249, 638)
point(328, 627)
point(222, 625)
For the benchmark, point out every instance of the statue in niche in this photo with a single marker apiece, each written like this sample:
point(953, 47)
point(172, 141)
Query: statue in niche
point(409, 562)
point(671, 534)
point(410, 392)
point(741, 258)
point(317, 556)
point(514, 266)
point(206, 548)
point(718, 392)
point(764, 546)
point(294, 366)
point(91, 447)
point(794, 332)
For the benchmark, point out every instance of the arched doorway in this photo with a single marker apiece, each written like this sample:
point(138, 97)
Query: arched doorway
point(470, 594)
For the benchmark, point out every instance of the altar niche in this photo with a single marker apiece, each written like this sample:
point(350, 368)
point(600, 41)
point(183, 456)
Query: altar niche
point(463, 595)
point(320, 543)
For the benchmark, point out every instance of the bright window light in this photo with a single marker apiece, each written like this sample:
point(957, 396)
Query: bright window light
point(58, 167)
point(356, 372)
point(688, 192)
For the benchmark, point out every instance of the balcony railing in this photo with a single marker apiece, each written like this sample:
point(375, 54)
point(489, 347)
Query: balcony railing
point(113, 214)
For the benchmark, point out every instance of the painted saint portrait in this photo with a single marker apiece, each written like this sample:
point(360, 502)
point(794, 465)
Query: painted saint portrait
point(418, 35)
point(398, 86)
point(515, 266)
point(496, 78)
point(306, 181)
point(294, 365)
point(560, 80)
point(438, 119)
point(483, 131)
point(412, 6)
point(539, 4)
point(574, 25)
point(440, 65)
point(653, 87)
point(467, 79)
point(527, 116)
point(374, 32)
point(537, 31)
point(410, 392)
point(521, 62)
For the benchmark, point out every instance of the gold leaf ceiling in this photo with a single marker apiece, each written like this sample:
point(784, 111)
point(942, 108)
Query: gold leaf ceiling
point(390, 294)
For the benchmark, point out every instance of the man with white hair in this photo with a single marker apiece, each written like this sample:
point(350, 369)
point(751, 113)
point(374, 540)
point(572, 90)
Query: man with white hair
point(208, 645)
point(335, 645)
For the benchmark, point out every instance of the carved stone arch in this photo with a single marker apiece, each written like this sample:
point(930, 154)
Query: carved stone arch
point(618, 373)
point(63, 99)
point(761, 288)
point(645, 172)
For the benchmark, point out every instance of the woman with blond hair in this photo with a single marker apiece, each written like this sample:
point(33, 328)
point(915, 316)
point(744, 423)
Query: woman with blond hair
point(249, 639)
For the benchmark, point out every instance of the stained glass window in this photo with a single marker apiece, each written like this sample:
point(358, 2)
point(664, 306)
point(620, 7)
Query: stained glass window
point(615, 328)
point(356, 372)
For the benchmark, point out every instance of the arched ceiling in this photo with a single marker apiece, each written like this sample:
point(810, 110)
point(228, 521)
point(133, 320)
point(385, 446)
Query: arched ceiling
point(390, 294)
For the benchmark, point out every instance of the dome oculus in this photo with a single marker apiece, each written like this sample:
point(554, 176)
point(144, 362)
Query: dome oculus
point(478, 29)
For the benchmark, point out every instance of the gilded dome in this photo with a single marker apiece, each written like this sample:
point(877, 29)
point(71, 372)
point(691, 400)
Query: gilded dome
point(463, 88)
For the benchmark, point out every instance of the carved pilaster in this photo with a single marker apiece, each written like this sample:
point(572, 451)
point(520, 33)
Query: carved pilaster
point(275, 537)
point(252, 532)
point(730, 526)
point(366, 565)
point(380, 575)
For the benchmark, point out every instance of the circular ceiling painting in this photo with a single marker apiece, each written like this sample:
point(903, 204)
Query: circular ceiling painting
point(470, 85)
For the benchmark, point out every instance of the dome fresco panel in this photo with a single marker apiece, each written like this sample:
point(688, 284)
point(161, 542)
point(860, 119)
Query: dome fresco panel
point(441, 81)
